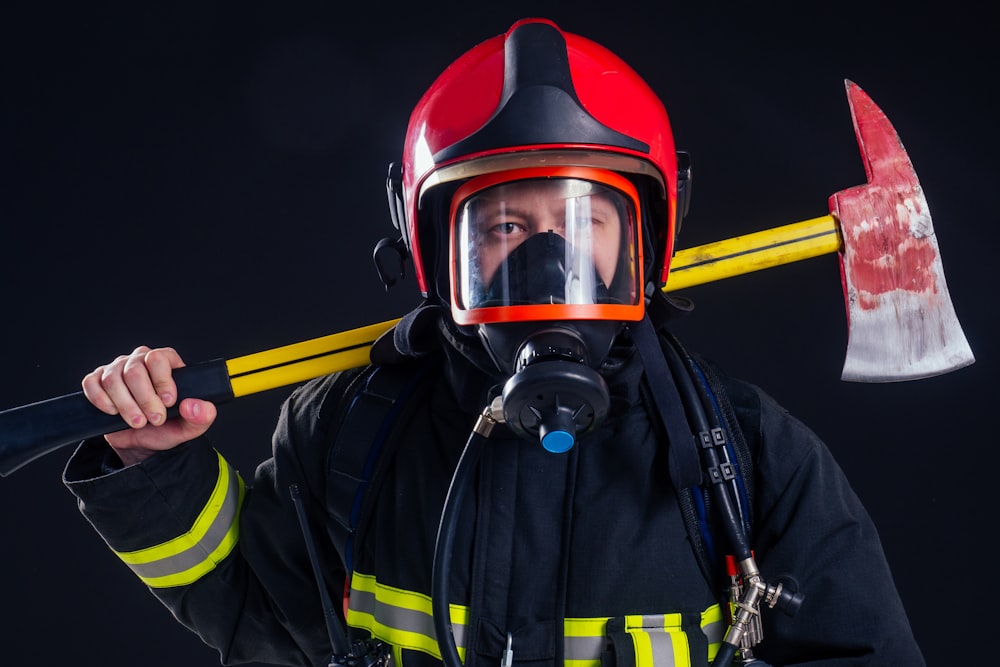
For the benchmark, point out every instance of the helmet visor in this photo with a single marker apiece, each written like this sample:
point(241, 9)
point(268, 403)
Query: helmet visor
point(546, 244)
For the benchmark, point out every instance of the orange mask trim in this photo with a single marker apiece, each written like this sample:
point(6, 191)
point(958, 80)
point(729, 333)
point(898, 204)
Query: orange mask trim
point(546, 311)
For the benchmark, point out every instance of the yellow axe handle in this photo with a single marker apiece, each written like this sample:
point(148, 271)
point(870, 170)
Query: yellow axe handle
point(309, 359)
point(753, 252)
point(313, 358)
point(30, 431)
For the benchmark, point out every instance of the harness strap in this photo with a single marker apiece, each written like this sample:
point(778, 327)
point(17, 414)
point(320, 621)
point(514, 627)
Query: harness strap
point(375, 397)
point(662, 395)
point(685, 468)
point(736, 444)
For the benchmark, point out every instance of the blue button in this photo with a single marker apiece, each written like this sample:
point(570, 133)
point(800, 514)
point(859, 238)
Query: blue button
point(558, 442)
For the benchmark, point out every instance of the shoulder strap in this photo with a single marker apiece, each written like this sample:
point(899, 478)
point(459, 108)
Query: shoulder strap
point(738, 443)
point(373, 402)
point(694, 502)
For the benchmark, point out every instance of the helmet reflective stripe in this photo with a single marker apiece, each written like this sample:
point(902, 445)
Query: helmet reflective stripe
point(186, 558)
point(404, 618)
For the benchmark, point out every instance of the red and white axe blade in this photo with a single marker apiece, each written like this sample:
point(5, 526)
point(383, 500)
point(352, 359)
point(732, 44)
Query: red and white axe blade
point(901, 321)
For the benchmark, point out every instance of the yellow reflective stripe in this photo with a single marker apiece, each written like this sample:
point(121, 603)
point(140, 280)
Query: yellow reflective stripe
point(643, 649)
point(400, 617)
point(714, 626)
point(405, 619)
point(584, 640)
point(397, 655)
point(663, 622)
point(668, 647)
point(213, 535)
point(582, 662)
point(585, 627)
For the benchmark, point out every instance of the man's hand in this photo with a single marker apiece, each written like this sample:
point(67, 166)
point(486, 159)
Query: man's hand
point(140, 387)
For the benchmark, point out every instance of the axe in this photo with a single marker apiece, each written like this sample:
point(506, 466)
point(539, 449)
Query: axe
point(901, 321)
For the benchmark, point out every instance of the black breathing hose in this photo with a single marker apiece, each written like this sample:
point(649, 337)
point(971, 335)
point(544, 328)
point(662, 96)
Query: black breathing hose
point(725, 655)
point(694, 404)
point(732, 522)
point(441, 568)
point(711, 409)
point(697, 404)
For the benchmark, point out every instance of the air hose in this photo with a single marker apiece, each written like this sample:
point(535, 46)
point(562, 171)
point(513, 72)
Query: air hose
point(441, 568)
point(744, 631)
point(742, 634)
point(717, 479)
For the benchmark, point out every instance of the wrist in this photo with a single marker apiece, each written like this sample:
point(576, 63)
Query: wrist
point(130, 456)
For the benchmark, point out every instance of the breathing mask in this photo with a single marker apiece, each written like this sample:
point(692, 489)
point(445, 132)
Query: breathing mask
point(546, 265)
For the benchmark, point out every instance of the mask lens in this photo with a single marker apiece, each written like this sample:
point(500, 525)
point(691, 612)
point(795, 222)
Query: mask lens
point(545, 241)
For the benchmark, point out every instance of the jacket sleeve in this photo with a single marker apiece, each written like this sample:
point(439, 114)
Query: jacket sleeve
point(810, 525)
point(228, 558)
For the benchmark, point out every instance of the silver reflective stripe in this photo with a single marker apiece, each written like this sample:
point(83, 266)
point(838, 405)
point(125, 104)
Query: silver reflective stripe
point(584, 640)
point(400, 617)
point(714, 629)
point(585, 648)
point(213, 535)
point(404, 618)
point(653, 638)
point(663, 649)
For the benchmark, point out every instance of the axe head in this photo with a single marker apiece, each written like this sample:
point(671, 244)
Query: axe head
point(901, 322)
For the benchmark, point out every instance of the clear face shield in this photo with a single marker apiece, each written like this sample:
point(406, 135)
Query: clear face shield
point(548, 243)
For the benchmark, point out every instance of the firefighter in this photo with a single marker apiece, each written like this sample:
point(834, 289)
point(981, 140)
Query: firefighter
point(533, 470)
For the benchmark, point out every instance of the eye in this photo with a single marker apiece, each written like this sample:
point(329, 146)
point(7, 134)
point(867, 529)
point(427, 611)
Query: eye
point(507, 228)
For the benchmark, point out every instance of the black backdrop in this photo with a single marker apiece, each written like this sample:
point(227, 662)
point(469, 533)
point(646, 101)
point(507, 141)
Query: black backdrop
point(210, 176)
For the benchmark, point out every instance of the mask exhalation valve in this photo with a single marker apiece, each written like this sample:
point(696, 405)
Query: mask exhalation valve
point(554, 395)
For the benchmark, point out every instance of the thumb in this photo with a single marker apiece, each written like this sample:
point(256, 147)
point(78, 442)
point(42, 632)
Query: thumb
point(198, 415)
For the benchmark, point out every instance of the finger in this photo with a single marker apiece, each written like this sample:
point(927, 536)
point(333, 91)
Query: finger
point(197, 415)
point(136, 392)
point(114, 385)
point(161, 363)
point(93, 389)
point(198, 412)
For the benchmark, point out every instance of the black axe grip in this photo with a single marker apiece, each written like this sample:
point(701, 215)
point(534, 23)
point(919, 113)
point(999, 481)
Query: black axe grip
point(31, 431)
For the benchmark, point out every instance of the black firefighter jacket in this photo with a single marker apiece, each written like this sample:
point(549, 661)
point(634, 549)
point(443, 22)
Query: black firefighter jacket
point(575, 557)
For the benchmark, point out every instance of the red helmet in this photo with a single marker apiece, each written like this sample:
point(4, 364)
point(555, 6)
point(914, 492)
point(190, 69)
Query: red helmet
point(534, 97)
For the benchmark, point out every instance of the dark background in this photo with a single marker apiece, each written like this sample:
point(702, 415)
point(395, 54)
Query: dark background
point(210, 176)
